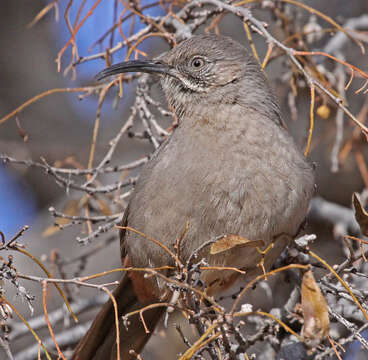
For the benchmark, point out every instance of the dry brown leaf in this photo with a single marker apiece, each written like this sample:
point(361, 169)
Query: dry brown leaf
point(315, 312)
point(361, 214)
point(71, 208)
point(230, 241)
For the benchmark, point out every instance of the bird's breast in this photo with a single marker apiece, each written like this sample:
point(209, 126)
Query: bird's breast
point(250, 179)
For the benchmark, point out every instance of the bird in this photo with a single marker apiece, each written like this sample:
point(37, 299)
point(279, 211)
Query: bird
point(229, 167)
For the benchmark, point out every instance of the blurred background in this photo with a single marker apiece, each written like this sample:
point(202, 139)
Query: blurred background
point(60, 126)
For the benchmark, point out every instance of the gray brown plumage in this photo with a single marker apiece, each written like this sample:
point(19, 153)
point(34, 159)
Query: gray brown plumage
point(230, 167)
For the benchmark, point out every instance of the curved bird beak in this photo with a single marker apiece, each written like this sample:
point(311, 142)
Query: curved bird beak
point(148, 66)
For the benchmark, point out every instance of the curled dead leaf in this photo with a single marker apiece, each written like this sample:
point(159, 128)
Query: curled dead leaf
point(361, 214)
point(315, 312)
point(230, 241)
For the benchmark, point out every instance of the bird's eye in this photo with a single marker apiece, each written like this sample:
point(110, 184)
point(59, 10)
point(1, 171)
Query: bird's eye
point(197, 62)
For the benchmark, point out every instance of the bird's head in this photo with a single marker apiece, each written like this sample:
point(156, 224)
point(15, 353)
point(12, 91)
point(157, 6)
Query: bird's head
point(209, 69)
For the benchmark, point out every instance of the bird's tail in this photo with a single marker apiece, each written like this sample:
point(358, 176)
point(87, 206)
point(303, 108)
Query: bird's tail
point(99, 343)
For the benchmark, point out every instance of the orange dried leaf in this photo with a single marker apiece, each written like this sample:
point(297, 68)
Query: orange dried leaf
point(361, 214)
point(315, 312)
point(230, 241)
